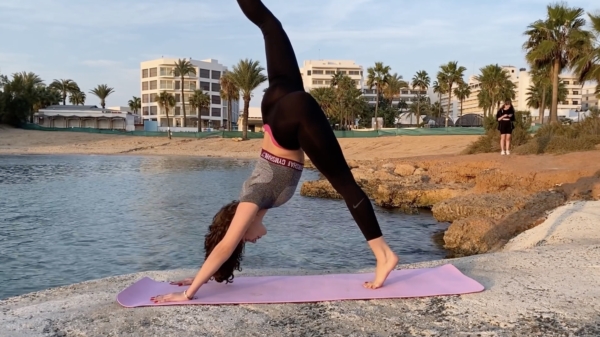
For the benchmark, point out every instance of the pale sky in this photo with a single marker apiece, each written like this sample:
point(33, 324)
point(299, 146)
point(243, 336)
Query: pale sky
point(96, 42)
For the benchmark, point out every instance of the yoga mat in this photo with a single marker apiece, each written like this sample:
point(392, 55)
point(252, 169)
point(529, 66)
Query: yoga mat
point(406, 283)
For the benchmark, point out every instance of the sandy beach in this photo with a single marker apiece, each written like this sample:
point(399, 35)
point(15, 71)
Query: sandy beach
point(18, 141)
point(545, 282)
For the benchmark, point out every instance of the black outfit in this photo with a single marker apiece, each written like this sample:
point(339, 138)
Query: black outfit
point(298, 122)
point(506, 126)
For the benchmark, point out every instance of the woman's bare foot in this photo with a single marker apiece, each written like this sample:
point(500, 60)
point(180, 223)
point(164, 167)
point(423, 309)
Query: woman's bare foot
point(387, 260)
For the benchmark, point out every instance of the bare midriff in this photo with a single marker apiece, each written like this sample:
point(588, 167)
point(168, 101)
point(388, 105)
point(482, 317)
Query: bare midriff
point(269, 144)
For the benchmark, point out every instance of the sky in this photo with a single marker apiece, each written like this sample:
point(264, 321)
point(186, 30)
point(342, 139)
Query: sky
point(103, 42)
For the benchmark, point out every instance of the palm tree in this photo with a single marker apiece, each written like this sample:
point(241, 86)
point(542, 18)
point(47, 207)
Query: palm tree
point(77, 98)
point(26, 87)
point(377, 76)
point(229, 92)
point(247, 76)
point(135, 104)
point(166, 101)
point(439, 87)
point(462, 92)
point(588, 67)
point(496, 86)
point(65, 86)
point(420, 82)
point(560, 41)
point(451, 73)
point(199, 100)
point(325, 97)
point(537, 99)
point(102, 91)
point(183, 68)
point(393, 86)
point(541, 78)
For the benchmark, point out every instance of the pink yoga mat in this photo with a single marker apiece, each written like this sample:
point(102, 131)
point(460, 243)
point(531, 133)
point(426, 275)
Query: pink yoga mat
point(443, 280)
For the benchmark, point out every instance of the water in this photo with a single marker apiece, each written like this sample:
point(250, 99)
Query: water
point(67, 219)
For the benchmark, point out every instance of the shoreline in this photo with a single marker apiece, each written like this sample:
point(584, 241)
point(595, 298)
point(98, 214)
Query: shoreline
point(546, 281)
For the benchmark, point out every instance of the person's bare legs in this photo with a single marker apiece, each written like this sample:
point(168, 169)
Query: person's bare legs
point(507, 143)
point(387, 261)
point(502, 141)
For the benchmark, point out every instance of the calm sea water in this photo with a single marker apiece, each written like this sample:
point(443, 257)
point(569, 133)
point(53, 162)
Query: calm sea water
point(67, 219)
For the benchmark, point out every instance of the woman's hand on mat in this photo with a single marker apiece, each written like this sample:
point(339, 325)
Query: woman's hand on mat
point(185, 282)
point(174, 297)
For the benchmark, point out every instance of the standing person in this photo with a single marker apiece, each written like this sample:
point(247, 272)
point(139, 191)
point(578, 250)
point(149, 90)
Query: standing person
point(294, 125)
point(505, 117)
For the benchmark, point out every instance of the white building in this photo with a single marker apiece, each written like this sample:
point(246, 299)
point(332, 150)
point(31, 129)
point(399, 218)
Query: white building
point(589, 98)
point(157, 76)
point(318, 73)
point(255, 122)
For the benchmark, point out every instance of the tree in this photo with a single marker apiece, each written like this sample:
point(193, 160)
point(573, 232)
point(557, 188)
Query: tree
point(77, 98)
point(166, 101)
point(496, 86)
point(560, 42)
point(588, 66)
point(102, 91)
point(541, 78)
point(325, 97)
point(65, 87)
point(377, 77)
point(451, 73)
point(229, 92)
point(420, 82)
point(135, 104)
point(462, 92)
point(247, 76)
point(537, 99)
point(199, 100)
point(439, 87)
point(183, 68)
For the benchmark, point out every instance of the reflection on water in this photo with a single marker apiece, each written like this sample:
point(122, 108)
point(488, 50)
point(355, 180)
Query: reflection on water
point(66, 219)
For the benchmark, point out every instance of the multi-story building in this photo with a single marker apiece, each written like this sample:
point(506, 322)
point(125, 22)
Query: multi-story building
point(522, 80)
point(318, 73)
point(157, 76)
point(589, 98)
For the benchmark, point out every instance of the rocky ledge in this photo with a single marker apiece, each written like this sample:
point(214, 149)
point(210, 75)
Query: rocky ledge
point(487, 201)
point(545, 282)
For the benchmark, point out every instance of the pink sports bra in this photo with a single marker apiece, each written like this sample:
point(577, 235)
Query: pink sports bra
point(268, 130)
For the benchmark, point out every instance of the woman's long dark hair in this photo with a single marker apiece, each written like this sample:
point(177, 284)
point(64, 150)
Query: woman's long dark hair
point(216, 233)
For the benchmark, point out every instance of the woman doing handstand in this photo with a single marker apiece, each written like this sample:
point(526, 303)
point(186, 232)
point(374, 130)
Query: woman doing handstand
point(294, 125)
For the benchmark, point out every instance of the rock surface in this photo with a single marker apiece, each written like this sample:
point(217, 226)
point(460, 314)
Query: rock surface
point(545, 282)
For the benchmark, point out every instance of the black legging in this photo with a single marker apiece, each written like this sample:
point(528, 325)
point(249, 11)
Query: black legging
point(297, 121)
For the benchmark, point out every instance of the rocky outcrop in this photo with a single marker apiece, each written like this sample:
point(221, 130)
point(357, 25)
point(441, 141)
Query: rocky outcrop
point(482, 230)
point(487, 202)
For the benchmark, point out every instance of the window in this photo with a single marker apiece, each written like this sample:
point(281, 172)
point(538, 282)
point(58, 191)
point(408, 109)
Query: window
point(566, 82)
point(153, 98)
point(329, 72)
point(576, 83)
point(152, 72)
point(177, 110)
point(327, 82)
point(177, 98)
point(353, 72)
point(153, 110)
point(205, 86)
point(204, 73)
point(166, 84)
point(318, 72)
point(189, 85)
point(152, 85)
point(204, 112)
point(186, 98)
point(565, 102)
point(216, 87)
point(144, 73)
point(216, 112)
point(308, 72)
point(216, 99)
point(575, 92)
point(190, 111)
point(575, 102)
point(164, 71)
point(145, 111)
point(317, 81)
point(177, 85)
point(144, 85)
point(145, 98)
point(404, 92)
point(341, 71)
point(423, 92)
point(216, 74)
